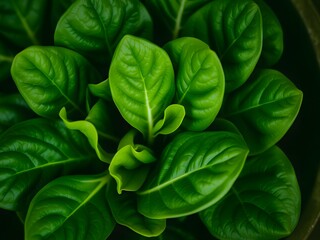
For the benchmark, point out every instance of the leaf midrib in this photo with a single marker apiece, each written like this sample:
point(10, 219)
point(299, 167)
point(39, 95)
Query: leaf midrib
point(178, 19)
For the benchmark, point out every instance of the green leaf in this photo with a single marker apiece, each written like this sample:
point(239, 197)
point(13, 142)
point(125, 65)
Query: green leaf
point(173, 117)
point(90, 131)
point(264, 202)
point(235, 33)
point(272, 36)
point(199, 81)
point(264, 108)
point(70, 207)
point(195, 171)
point(22, 21)
point(130, 167)
point(6, 58)
point(13, 109)
point(50, 78)
point(141, 79)
point(101, 27)
point(34, 152)
point(101, 90)
point(124, 210)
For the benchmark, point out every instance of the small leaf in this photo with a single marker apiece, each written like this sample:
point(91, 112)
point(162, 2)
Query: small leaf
point(264, 202)
point(141, 79)
point(235, 33)
point(34, 152)
point(94, 27)
point(264, 108)
point(130, 167)
point(124, 210)
point(199, 81)
point(70, 208)
point(195, 171)
point(101, 90)
point(173, 117)
point(50, 78)
point(90, 131)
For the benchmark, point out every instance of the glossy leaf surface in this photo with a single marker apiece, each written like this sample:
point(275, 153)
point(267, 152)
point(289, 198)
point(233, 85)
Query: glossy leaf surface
point(124, 209)
point(101, 27)
point(199, 81)
point(34, 152)
point(141, 79)
point(50, 78)
point(195, 171)
point(264, 202)
point(70, 208)
point(235, 34)
point(264, 108)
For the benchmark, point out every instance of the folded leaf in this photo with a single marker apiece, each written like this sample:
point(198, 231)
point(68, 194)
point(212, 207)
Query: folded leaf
point(50, 78)
point(101, 27)
point(235, 33)
point(195, 171)
point(199, 81)
point(124, 209)
point(264, 202)
point(71, 208)
point(141, 79)
point(264, 109)
point(34, 152)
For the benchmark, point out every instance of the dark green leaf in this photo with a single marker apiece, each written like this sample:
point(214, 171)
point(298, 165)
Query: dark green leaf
point(195, 171)
point(199, 81)
point(34, 152)
point(264, 108)
point(50, 78)
point(263, 204)
point(70, 208)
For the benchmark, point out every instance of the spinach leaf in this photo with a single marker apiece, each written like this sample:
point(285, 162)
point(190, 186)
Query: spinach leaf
point(13, 109)
point(195, 171)
point(124, 209)
point(101, 90)
point(234, 30)
point(264, 202)
point(21, 21)
point(264, 108)
point(50, 78)
point(141, 79)
point(199, 81)
point(75, 208)
point(34, 152)
point(101, 27)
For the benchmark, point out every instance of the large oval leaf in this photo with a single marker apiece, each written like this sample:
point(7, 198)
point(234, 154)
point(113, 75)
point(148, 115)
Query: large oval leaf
point(50, 78)
point(234, 30)
point(264, 108)
point(141, 79)
point(195, 171)
point(34, 152)
point(22, 21)
point(199, 81)
point(70, 208)
point(124, 209)
point(94, 27)
point(263, 204)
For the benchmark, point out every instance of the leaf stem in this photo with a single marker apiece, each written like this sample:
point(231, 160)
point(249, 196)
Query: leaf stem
point(178, 19)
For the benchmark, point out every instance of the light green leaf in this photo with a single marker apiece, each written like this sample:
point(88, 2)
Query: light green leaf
point(50, 78)
point(235, 33)
point(195, 171)
point(71, 208)
point(141, 79)
point(264, 108)
point(173, 117)
point(101, 90)
point(90, 131)
point(264, 203)
point(34, 152)
point(200, 81)
point(130, 167)
point(94, 27)
point(124, 210)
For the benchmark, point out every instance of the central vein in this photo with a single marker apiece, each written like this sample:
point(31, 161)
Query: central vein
point(178, 19)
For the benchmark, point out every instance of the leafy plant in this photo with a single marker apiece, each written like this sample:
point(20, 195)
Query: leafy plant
point(121, 119)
